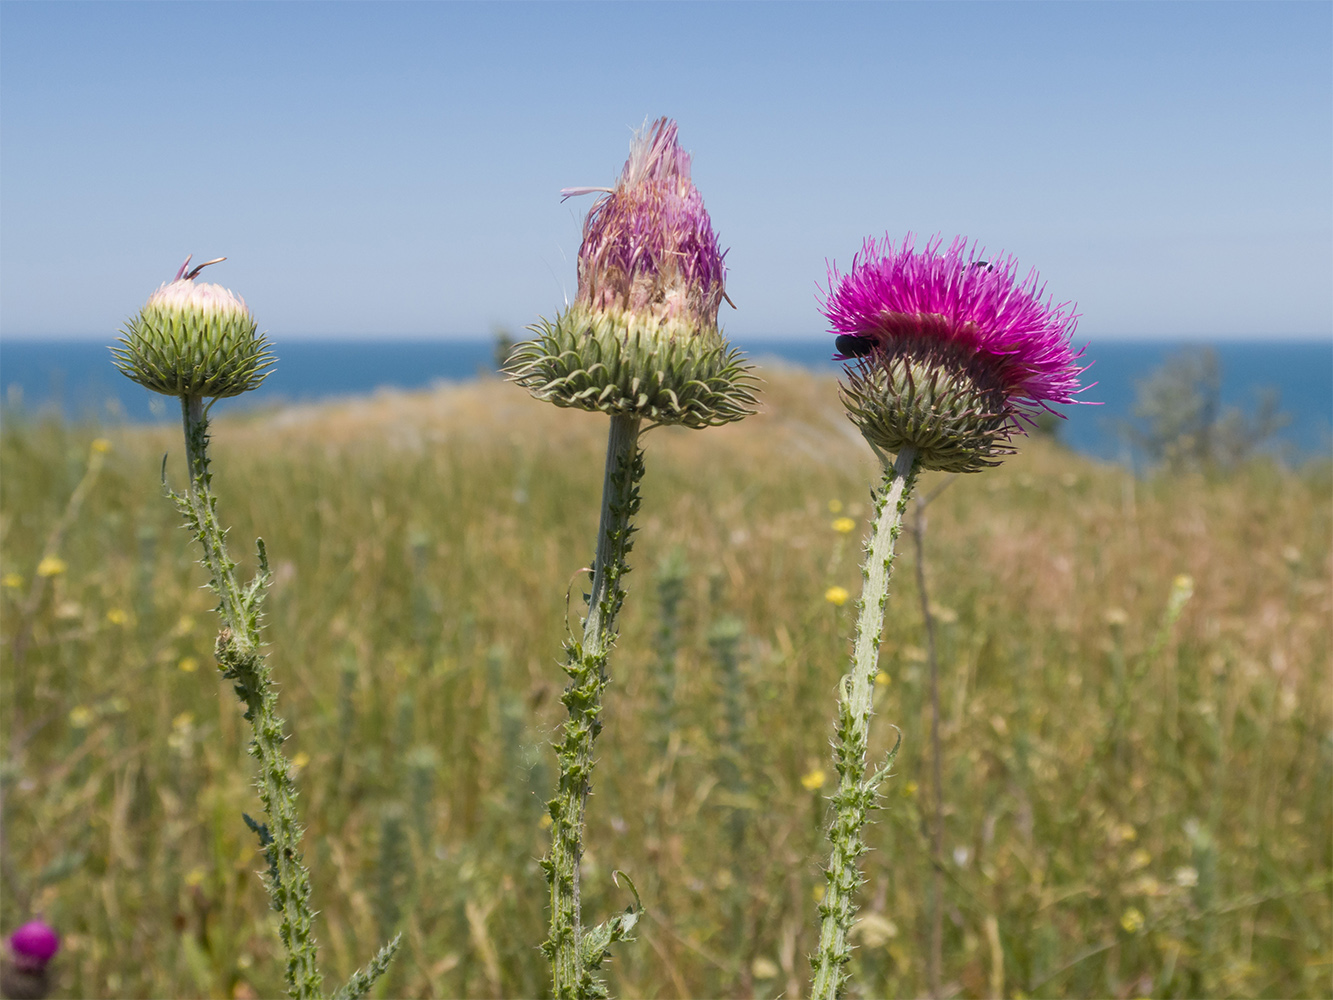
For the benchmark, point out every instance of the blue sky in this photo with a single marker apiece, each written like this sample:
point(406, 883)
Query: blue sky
point(393, 169)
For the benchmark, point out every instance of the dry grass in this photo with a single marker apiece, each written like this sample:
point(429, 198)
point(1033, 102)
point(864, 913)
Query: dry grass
point(1129, 811)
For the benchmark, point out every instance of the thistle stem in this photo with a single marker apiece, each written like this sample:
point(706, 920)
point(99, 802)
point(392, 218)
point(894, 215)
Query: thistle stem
point(856, 793)
point(571, 970)
point(238, 653)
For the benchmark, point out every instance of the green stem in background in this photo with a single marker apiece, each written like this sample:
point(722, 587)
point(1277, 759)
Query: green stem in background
point(51, 550)
point(239, 655)
point(856, 792)
point(574, 955)
point(671, 576)
point(935, 965)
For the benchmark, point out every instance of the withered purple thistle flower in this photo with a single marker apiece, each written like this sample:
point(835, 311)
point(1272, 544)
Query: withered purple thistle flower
point(952, 353)
point(648, 245)
point(640, 344)
point(642, 336)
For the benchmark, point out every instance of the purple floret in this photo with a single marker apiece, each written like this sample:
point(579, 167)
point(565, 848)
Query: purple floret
point(649, 244)
point(34, 944)
point(961, 298)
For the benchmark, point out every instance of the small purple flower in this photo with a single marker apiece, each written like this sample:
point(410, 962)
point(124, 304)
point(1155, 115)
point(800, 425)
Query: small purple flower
point(648, 244)
point(25, 972)
point(953, 352)
point(33, 945)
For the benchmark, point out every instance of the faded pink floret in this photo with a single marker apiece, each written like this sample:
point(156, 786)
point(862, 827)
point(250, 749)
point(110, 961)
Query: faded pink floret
point(202, 297)
point(648, 244)
point(34, 944)
point(959, 296)
point(183, 293)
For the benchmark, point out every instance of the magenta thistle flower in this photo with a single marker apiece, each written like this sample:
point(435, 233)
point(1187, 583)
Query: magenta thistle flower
point(954, 354)
point(648, 244)
point(24, 970)
point(34, 944)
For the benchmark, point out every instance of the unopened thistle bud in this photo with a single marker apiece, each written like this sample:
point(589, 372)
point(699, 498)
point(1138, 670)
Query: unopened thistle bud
point(194, 340)
point(951, 354)
point(642, 336)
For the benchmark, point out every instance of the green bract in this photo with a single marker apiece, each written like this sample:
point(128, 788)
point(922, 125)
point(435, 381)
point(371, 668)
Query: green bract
point(934, 398)
point(618, 362)
point(183, 344)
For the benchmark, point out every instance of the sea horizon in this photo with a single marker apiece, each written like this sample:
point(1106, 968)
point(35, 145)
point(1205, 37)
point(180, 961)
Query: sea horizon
point(73, 377)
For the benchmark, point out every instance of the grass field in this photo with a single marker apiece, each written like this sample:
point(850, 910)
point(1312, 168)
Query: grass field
point(1132, 807)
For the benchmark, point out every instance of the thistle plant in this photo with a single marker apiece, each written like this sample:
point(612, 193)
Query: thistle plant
point(25, 968)
point(199, 342)
point(641, 343)
point(949, 356)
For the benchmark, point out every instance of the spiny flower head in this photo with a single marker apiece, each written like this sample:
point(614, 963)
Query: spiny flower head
point(194, 339)
point(648, 244)
point(954, 354)
point(642, 337)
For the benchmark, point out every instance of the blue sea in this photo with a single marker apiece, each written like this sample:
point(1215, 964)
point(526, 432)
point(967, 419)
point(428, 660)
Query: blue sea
point(75, 378)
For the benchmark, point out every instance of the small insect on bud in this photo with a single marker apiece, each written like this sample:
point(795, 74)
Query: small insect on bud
point(194, 340)
point(950, 353)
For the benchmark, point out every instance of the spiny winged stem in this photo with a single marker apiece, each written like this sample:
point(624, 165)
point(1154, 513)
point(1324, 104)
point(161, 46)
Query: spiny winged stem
point(857, 793)
point(239, 655)
point(574, 955)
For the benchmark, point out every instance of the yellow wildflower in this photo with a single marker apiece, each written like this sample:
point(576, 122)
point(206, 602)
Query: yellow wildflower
point(883, 679)
point(835, 506)
point(117, 617)
point(813, 779)
point(837, 595)
point(12, 580)
point(51, 566)
point(1132, 920)
point(817, 893)
point(300, 760)
point(80, 716)
point(101, 446)
point(843, 525)
point(187, 665)
point(1121, 833)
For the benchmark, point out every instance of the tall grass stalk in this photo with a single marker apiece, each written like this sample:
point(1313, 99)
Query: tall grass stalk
point(857, 793)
